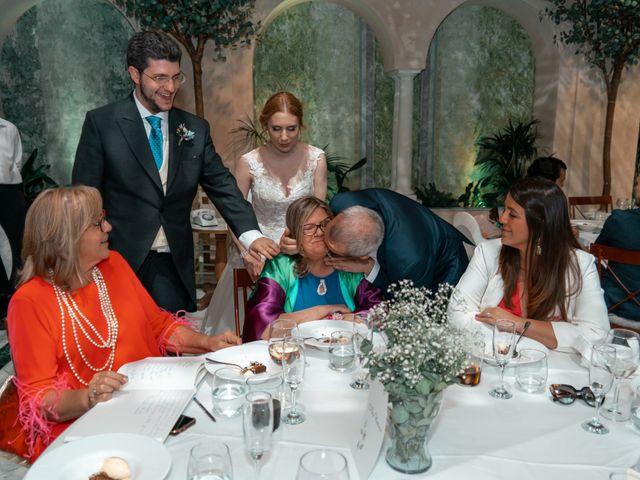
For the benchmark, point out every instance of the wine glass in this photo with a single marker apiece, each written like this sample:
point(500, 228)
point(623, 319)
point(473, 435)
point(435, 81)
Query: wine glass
point(278, 330)
point(293, 366)
point(210, 459)
point(504, 339)
point(627, 346)
point(323, 464)
point(361, 333)
point(601, 376)
point(257, 426)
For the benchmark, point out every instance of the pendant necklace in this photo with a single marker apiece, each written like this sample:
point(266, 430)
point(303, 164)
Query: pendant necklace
point(322, 288)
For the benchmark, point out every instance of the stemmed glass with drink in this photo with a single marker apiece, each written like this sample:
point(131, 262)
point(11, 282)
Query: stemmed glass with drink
point(278, 330)
point(627, 346)
point(293, 367)
point(504, 338)
point(601, 376)
point(257, 426)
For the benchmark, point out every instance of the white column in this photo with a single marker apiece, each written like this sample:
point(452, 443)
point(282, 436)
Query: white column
point(402, 148)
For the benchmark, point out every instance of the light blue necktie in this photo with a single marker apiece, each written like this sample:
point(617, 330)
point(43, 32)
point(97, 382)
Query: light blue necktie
point(155, 139)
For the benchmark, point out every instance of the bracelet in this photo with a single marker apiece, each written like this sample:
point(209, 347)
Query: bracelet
point(244, 253)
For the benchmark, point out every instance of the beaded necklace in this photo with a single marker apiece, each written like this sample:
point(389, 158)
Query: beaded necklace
point(79, 322)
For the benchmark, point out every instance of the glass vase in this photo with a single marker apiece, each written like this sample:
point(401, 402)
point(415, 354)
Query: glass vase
point(411, 419)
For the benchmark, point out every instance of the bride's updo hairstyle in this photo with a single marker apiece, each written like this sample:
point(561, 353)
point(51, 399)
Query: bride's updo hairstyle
point(54, 224)
point(281, 102)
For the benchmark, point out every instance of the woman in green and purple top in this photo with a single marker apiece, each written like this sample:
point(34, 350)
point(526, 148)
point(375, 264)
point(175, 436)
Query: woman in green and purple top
point(303, 287)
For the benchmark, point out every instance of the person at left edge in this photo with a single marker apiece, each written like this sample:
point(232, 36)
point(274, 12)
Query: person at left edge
point(148, 180)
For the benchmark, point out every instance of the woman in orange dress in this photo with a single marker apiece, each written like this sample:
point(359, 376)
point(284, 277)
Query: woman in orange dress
point(79, 314)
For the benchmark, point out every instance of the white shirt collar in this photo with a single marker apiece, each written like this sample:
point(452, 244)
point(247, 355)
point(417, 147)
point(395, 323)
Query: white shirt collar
point(144, 113)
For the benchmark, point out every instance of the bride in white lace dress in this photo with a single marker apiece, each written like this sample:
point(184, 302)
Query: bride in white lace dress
point(271, 177)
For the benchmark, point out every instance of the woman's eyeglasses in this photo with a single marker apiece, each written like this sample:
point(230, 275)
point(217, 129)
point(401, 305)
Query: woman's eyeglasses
point(566, 394)
point(101, 224)
point(310, 229)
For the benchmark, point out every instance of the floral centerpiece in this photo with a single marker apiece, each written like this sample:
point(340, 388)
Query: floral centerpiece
point(424, 354)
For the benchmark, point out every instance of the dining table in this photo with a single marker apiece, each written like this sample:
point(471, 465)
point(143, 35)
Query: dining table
point(475, 436)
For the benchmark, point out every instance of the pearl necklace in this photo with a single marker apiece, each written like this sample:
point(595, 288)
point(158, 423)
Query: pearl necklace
point(79, 321)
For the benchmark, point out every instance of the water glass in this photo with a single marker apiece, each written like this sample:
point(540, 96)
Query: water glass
point(323, 464)
point(531, 370)
point(473, 365)
point(341, 354)
point(210, 460)
point(257, 426)
point(273, 386)
point(228, 391)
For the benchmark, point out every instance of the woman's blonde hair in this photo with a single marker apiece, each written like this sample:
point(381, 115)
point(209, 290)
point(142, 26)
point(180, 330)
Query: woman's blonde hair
point(55, 222)
point(297, 215)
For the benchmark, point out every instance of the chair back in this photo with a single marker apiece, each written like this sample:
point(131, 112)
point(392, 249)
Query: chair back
point(603, 201)
point(468, 226)
point(604, 256)
point(242, 284)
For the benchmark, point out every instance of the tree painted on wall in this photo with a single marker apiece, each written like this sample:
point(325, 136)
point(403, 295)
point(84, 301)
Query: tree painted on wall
point(193, 23)
point(607, 34)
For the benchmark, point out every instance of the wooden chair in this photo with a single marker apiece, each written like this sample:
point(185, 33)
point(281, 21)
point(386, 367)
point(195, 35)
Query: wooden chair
point(241, 281)
point(604, 201)
point(604, 255)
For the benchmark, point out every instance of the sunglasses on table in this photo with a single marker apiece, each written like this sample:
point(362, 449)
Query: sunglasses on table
point(566, 394)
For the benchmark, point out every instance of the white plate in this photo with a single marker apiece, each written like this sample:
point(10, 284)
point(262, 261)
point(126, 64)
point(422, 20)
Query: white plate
point(524, 343)
point(78, 460)
point(243, 355)
point(592, 226)
point(318, 332)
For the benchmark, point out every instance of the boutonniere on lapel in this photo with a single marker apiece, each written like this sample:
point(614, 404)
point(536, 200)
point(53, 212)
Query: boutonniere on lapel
point(184, 134)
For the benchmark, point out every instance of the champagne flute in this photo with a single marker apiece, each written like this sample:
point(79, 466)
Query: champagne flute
point(257, 426)
point(601, 376)
point(504, 339)
point(627, 346)
point(360, 335)
point(293, 366)
point(278, 330)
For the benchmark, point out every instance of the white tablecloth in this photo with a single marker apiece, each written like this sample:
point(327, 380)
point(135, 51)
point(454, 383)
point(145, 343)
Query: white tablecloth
point(475, 437)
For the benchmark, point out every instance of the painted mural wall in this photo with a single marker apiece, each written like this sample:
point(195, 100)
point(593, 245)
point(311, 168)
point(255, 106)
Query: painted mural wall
point(62, 58)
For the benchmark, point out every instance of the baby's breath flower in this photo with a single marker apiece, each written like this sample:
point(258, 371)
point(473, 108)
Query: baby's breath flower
point(421, 344)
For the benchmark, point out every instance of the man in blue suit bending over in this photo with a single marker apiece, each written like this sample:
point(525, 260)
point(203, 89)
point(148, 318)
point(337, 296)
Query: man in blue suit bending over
point(390, 237)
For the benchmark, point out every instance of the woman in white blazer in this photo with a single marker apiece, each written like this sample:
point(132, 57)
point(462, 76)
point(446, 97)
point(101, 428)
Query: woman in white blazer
point(536, 271)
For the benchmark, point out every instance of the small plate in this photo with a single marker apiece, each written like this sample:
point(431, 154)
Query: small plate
point(147, 458)
point(318, 332)
point(243, 355)
point(524, 343)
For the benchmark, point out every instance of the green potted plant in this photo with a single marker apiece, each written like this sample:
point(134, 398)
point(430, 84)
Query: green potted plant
point(503, 158)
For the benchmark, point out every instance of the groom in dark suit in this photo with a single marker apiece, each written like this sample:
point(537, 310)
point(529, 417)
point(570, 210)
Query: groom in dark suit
point(147, 158)
point(390, 237)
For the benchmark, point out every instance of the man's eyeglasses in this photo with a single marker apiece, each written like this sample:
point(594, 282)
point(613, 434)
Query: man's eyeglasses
point(310, 229)
point(164, 80)
point(102, 223)
point(566, 394)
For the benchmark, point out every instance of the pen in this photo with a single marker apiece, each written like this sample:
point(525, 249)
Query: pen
point(204, 409)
